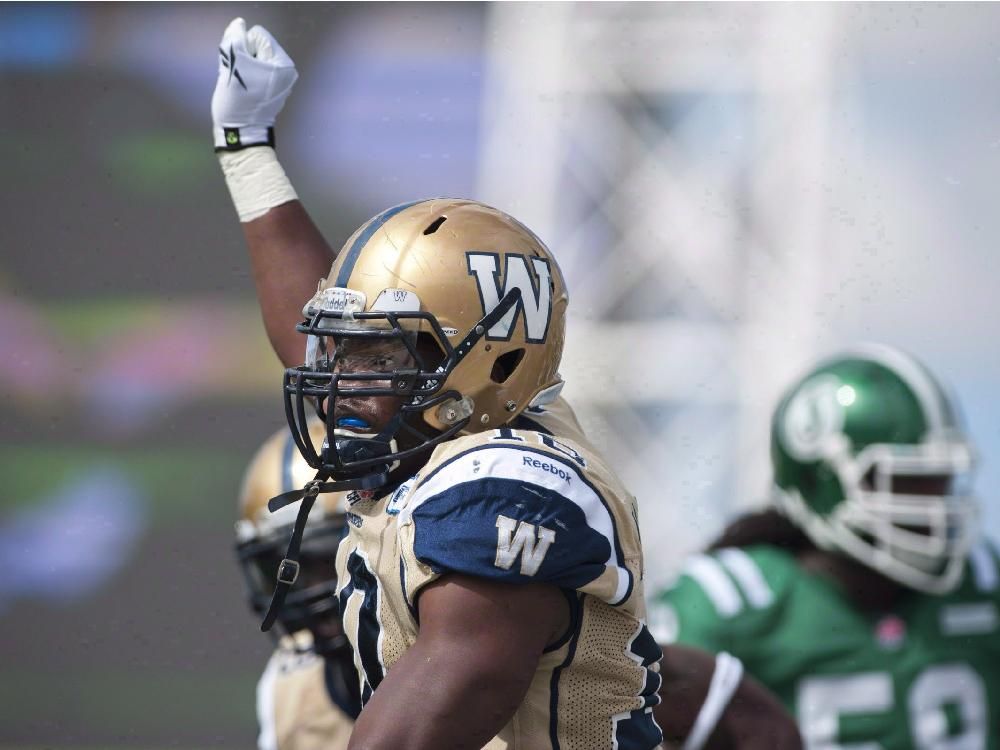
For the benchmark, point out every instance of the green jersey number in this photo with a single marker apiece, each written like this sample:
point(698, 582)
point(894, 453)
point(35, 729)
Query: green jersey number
point(823, 700)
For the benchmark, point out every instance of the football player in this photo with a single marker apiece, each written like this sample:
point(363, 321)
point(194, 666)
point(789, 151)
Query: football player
point(491, 579)
point(862, 598)
point(288, 254)
point(307, 698)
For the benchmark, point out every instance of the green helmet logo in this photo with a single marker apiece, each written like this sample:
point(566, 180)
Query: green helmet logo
point(846, 436)
point(813, 416)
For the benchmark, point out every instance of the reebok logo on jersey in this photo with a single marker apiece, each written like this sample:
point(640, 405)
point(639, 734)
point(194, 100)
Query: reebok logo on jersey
point(521, 539)
point(544, 466)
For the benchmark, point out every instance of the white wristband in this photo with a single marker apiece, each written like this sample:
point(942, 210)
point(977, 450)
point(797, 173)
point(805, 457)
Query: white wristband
point(256, 181)
point(726, 677)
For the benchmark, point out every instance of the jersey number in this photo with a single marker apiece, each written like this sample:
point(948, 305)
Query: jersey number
point(363, 584)
point(823, 700)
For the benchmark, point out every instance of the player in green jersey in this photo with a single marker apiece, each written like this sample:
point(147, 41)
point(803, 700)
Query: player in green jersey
point(862, 597)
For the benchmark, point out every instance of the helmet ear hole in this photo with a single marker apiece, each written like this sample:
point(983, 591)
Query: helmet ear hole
point(505, 365)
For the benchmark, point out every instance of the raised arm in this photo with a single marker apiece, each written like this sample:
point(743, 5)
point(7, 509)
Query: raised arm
point(288, 255)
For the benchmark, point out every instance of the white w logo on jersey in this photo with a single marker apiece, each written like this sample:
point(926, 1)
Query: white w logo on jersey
point(519, 538)
point(536, 300)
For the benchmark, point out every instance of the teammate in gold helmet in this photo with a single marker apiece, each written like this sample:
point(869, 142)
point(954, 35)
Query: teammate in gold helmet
point(307, 697)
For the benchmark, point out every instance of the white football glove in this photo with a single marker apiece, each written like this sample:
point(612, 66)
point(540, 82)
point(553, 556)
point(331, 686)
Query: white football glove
point(255, 77)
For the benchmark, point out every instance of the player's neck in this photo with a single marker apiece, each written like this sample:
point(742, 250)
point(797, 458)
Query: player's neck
point(414, 434)
point(868, 590)
point(409, 467)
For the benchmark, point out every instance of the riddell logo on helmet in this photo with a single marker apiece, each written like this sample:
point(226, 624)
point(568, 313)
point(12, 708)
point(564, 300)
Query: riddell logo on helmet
point(536, 293)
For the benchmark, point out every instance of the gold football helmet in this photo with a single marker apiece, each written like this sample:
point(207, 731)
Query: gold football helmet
point(450, 307)
point(262, 537)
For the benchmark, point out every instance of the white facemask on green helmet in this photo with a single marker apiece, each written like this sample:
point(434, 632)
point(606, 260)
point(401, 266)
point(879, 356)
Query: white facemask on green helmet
point(869, 459)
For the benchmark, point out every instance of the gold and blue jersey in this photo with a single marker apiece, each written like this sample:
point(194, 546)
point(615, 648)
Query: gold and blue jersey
point(297, 707)
point(516, 506)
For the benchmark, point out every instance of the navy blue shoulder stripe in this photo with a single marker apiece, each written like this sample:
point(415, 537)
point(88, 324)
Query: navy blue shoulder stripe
point(568, 462)
point(366, 234)
point(406, 597)
point(631, 578)
point(554, 684)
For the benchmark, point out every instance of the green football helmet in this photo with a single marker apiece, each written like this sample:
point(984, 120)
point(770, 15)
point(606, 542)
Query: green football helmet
point(869, 459)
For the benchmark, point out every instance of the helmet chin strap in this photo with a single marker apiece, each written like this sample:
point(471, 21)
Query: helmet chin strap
point(354, 449)
point(288, 569)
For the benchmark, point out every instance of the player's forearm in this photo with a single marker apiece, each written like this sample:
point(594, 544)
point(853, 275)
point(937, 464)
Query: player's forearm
point(686, 674)
point(747, 718)
point(288, 256)
point(756, 721)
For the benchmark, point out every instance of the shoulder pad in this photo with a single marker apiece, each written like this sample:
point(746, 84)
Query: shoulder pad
point(518, 510)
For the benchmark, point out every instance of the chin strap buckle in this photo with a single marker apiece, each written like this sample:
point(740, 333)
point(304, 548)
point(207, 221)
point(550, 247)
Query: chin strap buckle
point(288, 571)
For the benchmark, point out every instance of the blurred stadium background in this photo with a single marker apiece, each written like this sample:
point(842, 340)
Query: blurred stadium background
point(731, 190)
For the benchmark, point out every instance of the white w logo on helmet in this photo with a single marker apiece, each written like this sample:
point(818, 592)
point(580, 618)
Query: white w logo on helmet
point(536, 299)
